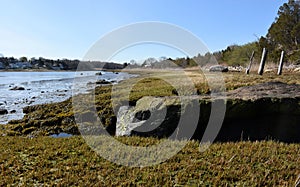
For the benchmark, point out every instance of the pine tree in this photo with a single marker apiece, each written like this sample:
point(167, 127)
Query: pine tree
point(284, 33)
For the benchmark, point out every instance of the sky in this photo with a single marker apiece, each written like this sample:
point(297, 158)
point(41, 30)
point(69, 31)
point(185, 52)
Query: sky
point(60, 29)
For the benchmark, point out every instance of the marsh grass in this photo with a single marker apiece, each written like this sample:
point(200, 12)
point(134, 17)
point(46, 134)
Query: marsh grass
point(48, 161)
point(71, 162)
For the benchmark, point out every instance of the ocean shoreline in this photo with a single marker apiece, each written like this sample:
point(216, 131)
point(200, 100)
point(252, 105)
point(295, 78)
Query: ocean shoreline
point(36, 89)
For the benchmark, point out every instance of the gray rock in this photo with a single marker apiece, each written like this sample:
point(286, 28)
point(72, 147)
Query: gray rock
point(125, 121)
point(218, 68)
point(146, 116)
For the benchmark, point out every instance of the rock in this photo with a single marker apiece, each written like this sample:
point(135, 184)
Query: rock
point(218, 68)
point(267, 110)
point(3, 111)
point(42, 91)
point(98, 74)
point(13, 111)
point(103, 82)
point(125, 121)
point(17, 88)
point(148, 109)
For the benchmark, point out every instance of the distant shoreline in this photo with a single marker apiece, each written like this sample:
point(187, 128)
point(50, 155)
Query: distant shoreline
point(49, 70)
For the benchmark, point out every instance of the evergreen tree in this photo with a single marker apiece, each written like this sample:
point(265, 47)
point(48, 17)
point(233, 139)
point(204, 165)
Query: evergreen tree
point(284, 33)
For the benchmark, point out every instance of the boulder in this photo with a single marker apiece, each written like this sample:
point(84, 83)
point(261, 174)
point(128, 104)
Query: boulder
point(218, 68)
point(146, 116)
point(3, 111)
point(17, 88)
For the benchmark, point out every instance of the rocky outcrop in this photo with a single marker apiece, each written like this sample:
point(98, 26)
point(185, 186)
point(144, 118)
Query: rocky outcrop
point(264, 111)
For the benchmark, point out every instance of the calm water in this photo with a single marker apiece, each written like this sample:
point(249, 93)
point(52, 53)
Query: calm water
point(44, 87)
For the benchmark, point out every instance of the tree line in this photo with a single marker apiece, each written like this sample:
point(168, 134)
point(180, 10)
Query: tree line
point(283, 35)
point(64, 64)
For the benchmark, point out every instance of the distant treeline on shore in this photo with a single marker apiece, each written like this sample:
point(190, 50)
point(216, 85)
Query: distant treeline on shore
point(48, 64)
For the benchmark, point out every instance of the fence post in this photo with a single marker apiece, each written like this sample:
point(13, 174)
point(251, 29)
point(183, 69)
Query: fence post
point(250, 64)
point(280, 64)
point(263, 61)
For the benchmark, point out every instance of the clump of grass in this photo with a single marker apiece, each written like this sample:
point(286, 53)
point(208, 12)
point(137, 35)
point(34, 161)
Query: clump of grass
point(69, 161)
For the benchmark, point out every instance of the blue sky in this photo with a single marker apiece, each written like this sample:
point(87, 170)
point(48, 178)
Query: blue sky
point(68, 28)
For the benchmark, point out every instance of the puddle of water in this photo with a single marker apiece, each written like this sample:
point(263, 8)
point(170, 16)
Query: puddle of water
point(61, 135)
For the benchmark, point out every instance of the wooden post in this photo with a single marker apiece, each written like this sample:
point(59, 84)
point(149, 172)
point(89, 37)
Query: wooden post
point(250, 64)
point(263, 61)
point(280, 64)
